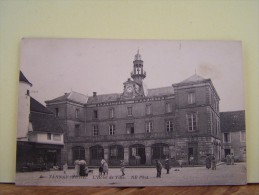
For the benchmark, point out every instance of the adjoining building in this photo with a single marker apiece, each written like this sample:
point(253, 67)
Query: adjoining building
point(141, 125)
point(233, 134)
point(39, 134)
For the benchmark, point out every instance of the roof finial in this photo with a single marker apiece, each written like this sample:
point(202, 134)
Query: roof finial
point(138, 56)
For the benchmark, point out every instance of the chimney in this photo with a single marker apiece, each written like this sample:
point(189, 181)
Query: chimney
point(94, 94)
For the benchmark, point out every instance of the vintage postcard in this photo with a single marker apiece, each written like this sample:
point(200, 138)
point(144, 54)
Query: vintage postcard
point(98, 112)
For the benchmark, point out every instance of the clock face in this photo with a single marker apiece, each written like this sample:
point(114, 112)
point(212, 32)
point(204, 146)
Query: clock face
point(129, 89)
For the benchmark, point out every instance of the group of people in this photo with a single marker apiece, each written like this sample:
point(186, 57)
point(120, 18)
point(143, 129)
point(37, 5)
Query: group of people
point(211, 162)
point(159, 167)
point(230, 160)
point(103, 169)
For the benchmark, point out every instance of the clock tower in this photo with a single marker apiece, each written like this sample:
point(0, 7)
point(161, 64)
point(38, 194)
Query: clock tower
point(138, 74)
point(134, 88)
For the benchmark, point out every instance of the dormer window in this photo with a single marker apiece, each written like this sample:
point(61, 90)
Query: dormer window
point(48, 136)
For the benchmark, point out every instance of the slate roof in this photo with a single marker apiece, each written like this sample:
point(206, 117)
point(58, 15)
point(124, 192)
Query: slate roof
point(193, 78)
point(42, 119)
point(160, 91)
point(42, 122)
point(24, 79)
point(104, 98)
point(72, 96)
point(232, 121)
point(38, 107)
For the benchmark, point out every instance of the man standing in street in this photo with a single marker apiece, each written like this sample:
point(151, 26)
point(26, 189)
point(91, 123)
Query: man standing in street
point(167, 165)
point(158, 168)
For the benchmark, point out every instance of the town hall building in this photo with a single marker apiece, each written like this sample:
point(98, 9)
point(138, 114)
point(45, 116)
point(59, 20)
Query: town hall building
point(141, 125)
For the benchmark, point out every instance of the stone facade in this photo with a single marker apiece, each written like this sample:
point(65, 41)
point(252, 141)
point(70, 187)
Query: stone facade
point(141, 125)
point(233, 134)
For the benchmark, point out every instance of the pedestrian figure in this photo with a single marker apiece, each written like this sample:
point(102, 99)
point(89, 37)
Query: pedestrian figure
point(180, 161)
point(65, 167)
point(191, 160)
point(167, 165)
point(76, 163)
point(105, 167)
point(213, 162)
point(208, 161)
point(158, 168)
point(83, 170)
point(100, 170)
point(232, 159)
point(228, 159)
point(122, 164)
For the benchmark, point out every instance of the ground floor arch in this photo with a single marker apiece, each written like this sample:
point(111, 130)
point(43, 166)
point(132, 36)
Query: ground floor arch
point(159, 151)
point(137, 154)
point(78, 153)
point(96, 154)
point(116, 154)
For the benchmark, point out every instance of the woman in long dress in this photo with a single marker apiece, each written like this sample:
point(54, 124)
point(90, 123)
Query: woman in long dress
point(105, 167)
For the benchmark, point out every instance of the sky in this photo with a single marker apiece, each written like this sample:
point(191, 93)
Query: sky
point(58, 66)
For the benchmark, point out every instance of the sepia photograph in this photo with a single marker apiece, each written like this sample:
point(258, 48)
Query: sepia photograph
point(100, 112)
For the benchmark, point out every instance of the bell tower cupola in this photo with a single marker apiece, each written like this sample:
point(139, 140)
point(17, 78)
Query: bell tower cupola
point(138, 74)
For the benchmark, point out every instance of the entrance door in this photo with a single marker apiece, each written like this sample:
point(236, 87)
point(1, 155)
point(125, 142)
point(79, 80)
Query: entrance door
point(227, 152)
point(193, 151)
point(141, 153)
point(190, 153)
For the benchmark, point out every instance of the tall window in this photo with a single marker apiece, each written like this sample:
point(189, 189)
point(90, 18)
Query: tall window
point(95, 114)
point(192, 121)
point(129, 111)
point(242, 136)
point(130, 128)
point(77, 130)
point(191, 98)
point(149, 126)
point(95, 130)
point(56, 112)
point(168, 107)
point(111, 113)
point(169, 126)
point(148, 109)
point(77, 113)
point(217, 127)
point(48, 136)
point(226, 137)
point(111, 129)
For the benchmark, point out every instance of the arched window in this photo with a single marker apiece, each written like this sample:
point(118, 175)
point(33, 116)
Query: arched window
point(78, 153)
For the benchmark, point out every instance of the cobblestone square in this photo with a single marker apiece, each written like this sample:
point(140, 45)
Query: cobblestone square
point(186, 176)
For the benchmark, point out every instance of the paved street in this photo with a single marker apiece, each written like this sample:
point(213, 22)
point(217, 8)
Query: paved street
point(187, 176)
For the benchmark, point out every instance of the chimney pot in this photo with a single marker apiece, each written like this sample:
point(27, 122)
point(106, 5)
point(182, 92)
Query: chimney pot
point(94, 94)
